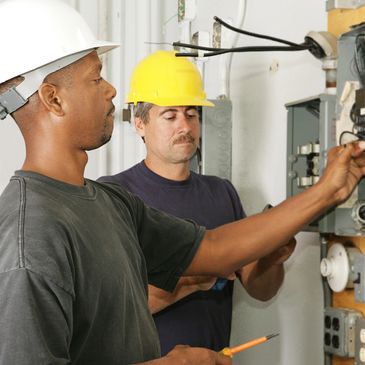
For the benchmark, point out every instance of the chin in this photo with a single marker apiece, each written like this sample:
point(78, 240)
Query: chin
point(104, 140)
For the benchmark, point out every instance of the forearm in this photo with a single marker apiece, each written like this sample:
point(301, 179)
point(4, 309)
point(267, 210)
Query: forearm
point(159, 299)
point(232, 246)
point(262, 281)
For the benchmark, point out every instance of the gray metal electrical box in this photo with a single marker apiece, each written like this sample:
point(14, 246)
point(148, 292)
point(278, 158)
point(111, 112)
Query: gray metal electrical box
point(318, 123)
point(216, 139)
point(309, 134)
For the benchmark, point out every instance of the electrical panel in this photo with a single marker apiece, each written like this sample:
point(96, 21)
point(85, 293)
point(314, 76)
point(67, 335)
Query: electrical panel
point(320, 122)
point(309, 131)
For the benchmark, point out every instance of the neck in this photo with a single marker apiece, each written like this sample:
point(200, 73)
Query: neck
point(177, 171)
point(67, 167)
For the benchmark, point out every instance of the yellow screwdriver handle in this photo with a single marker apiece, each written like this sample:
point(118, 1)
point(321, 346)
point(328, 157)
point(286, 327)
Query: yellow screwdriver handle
point(227, 352)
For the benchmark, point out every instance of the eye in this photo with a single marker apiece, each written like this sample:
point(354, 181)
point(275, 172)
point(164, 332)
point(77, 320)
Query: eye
point(170, 116)
point(192, 115)
point(98, 81)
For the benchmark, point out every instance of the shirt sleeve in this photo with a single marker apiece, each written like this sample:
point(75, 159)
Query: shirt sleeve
point(236, 201)
point(35, 321)
point(169, 244)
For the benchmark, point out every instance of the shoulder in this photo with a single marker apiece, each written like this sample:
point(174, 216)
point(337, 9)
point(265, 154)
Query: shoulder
point(221, 190)
point(124, 178)
point(214, 182)
point(118, 193)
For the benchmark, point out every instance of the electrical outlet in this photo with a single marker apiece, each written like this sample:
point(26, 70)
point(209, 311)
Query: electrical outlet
point(339, 331)
point(360, 342)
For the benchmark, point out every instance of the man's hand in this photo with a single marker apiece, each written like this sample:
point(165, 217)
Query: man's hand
point(263, 278)
point(196, 356)
point(186, 355)
point(345, 167)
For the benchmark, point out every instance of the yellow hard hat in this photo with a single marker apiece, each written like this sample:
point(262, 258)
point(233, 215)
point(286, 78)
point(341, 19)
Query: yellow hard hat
point(166, 80)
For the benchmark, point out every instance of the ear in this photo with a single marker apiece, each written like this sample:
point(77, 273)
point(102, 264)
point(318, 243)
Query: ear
point(50, 98)
point(140, 126)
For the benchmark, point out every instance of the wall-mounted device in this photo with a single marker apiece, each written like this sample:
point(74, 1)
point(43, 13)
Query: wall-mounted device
point(214, 155)
point(336, 117)
point(344, 267)
point(339, 331)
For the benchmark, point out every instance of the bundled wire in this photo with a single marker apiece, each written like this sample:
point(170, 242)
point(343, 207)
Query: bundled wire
point(256, 35)
point(290, 46)
point(359, 56)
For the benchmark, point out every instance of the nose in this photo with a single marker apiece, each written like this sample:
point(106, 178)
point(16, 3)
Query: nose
point(184, 124)
point(110, 90)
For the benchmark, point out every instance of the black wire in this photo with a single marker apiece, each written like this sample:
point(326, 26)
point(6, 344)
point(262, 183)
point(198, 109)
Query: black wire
point(237, 49)
point(219, 51)
point(194, 46)
point(263, 36)
point(359, 54)
point(347, 132)
point(240, 49)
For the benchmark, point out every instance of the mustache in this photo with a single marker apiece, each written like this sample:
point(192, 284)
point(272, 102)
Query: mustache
point(184, 138)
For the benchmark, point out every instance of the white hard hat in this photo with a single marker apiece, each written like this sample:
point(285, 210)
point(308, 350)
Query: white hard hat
point(41, 35)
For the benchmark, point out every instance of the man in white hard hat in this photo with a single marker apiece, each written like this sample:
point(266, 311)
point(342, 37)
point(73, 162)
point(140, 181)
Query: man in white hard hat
point(72, 270)
point(199, 311)
point(75, 254)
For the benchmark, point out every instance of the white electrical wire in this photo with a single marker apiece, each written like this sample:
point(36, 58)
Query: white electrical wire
point(225, 61)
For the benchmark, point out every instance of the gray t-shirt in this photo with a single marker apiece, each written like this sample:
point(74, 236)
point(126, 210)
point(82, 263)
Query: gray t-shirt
point(74, 263)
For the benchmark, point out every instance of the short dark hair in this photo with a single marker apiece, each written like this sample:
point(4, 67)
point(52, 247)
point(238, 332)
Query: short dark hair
point(141, 110)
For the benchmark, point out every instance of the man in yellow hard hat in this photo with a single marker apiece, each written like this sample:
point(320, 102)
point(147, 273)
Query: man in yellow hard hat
point(166, 92)
point(75, 254)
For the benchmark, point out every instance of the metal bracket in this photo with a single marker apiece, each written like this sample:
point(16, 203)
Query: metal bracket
point(305, 181)
point(359, 270)
point(10, 101)
point(308, 148)
point(344, 4)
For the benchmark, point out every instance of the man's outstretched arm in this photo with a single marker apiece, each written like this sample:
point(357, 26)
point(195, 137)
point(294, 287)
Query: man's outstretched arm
point(227, 248)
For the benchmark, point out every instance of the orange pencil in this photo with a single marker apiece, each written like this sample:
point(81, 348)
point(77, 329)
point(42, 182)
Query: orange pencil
point(230, 351)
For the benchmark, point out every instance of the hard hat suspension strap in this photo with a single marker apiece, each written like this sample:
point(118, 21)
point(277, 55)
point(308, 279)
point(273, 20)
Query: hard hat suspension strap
point(17, 96)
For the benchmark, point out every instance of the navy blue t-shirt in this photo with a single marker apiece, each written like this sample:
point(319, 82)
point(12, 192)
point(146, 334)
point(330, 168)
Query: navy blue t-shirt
point(202, 319)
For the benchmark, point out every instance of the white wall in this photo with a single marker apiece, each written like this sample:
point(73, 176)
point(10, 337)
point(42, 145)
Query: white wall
point(259, 143)
point(259, 151)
